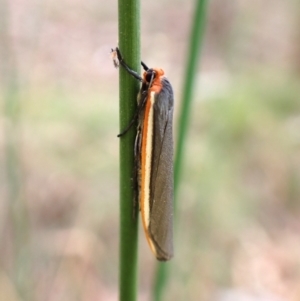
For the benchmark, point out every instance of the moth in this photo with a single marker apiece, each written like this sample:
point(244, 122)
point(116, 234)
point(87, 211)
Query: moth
point(153, 152)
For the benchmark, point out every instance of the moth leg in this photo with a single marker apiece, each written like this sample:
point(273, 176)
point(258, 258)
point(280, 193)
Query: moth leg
point(136, 115)
point(133, 120)
point(126, 67)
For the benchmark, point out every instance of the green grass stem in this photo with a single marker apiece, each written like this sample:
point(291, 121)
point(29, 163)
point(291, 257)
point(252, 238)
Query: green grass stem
point(129, 44)
point(17, 220)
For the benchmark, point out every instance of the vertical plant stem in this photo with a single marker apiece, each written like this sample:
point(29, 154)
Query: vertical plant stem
point(196, 39)
point(129, 44)
point(17, 218)
point(194, 52)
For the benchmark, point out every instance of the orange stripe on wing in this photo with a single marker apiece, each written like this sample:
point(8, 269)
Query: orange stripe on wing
point(146, 156)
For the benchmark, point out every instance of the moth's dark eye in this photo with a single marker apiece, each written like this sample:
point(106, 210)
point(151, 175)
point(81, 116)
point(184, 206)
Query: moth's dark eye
point(150, 74)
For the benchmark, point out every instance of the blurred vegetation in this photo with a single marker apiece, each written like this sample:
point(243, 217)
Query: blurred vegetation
point(238, 226)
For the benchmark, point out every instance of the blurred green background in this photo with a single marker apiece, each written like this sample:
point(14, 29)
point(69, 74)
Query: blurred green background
point(238, 226)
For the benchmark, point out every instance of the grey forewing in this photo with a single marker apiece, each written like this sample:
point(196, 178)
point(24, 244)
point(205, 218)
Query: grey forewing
point(161, 198)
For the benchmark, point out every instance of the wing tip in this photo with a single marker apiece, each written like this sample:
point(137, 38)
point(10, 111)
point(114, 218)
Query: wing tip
point(164, 257)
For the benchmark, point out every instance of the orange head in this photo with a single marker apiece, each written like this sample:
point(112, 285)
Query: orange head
point(155, 74)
